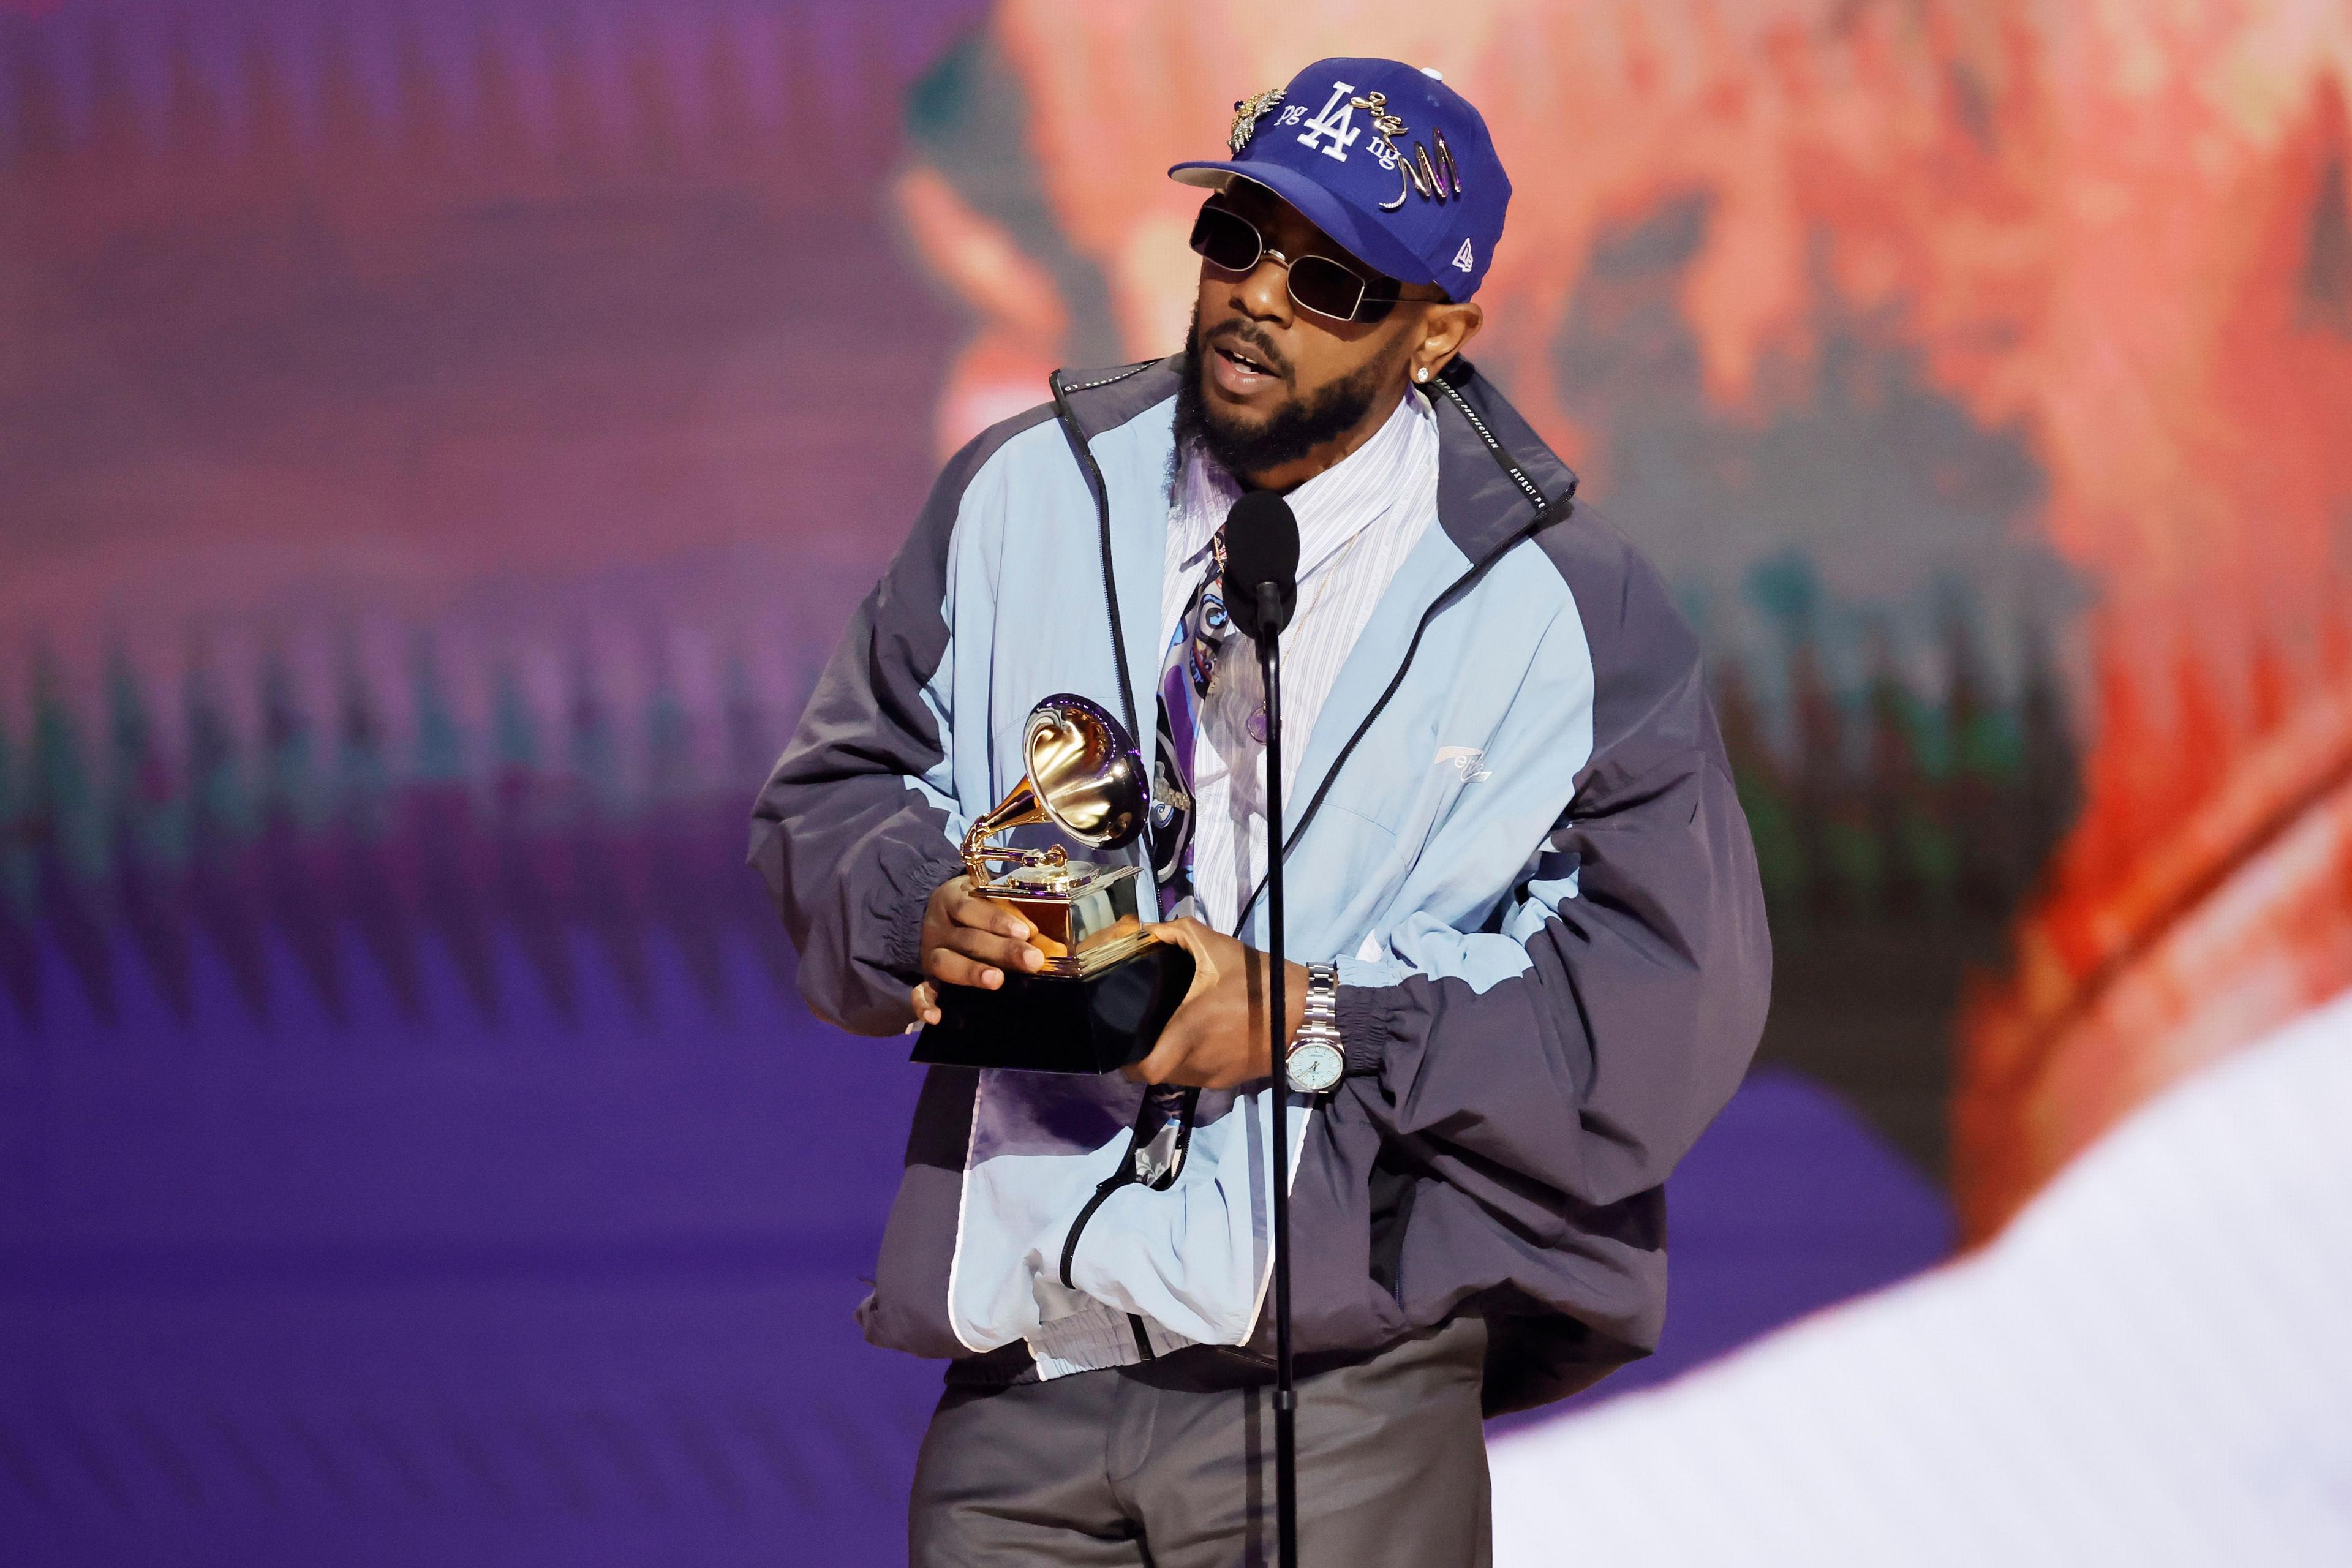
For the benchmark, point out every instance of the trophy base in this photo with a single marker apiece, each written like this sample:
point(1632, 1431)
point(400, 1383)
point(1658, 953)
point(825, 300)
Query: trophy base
point(1092, 1023)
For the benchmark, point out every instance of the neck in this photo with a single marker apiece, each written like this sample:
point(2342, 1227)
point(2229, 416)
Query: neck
point(1289, 476)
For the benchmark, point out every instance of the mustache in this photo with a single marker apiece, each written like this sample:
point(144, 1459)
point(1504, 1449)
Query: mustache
point(1243, 335)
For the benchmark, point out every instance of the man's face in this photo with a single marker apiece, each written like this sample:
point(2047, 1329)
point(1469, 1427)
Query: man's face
point(1268, 383)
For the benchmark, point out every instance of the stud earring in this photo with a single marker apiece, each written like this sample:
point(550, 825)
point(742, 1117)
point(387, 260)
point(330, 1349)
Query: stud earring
point(1422, 374)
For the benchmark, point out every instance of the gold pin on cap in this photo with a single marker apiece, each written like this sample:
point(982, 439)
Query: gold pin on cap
point(1247, 113)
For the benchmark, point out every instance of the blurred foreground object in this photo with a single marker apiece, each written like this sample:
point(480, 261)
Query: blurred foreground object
point(2149, 1366)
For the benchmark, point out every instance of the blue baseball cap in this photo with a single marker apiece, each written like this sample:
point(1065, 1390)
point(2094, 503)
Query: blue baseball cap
point(1389, 161)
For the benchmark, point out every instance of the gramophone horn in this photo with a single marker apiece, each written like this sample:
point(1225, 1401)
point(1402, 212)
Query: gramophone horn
point(1085, 771)
point(1015, 810)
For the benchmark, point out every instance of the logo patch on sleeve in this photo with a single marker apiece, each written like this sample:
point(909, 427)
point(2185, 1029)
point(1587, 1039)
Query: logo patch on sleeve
point(1465, 761)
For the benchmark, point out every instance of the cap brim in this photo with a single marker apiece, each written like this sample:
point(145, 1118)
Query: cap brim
point(1361, 234)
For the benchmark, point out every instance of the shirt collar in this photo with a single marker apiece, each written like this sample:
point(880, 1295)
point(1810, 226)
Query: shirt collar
point(1204, 494)
point(1333, 506)
point(1361, 487)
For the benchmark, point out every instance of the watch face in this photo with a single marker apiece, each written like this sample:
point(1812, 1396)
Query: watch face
point(1316, 1066)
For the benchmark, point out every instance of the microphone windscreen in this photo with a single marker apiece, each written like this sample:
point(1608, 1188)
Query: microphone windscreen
point(1261, 547)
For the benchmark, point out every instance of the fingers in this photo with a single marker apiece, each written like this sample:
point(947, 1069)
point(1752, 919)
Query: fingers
point(988, 915)
point(1187, 1054)
point(1187, 933)
point(1197, 939)
point(1171, 1057)
point(963, 955)
point(1007, 953)
point(926, 1003)
point(979, 941)
point(1178, 1039)
point(993, 938)
point(1191, 1060)
point(945, 964)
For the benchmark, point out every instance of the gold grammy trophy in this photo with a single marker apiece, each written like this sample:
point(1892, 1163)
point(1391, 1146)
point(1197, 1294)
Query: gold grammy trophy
point(1108, 985)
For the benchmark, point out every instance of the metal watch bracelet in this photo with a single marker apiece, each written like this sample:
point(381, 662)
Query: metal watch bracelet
point(1317, 1059)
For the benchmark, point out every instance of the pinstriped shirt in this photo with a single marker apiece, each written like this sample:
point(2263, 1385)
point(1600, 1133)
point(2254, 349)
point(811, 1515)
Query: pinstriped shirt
point(1358, 520)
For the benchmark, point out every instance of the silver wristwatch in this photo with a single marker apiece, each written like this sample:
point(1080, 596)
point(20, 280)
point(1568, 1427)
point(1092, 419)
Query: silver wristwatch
point(1316, 1059)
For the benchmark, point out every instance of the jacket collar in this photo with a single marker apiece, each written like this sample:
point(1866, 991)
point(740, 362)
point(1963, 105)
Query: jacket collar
point(1497, 480)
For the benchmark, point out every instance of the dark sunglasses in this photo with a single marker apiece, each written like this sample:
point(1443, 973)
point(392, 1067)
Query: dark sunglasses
point(1231, 242)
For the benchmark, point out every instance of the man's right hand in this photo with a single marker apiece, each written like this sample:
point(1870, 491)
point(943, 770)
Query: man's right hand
point(969, 941)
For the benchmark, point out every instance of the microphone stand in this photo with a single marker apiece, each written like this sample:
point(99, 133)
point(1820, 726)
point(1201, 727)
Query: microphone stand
point(1286, 1397)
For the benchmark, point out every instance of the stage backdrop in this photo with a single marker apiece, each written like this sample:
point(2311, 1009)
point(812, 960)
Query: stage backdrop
point(439, 440)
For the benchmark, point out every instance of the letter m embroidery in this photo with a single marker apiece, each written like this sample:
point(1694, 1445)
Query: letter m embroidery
point(1337, 121)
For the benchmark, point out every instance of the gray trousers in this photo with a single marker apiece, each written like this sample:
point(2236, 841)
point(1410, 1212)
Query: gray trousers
point(1171, 1465)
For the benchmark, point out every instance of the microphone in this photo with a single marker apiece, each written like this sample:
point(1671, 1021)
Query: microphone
point(1261, 594)
point(1261, 565)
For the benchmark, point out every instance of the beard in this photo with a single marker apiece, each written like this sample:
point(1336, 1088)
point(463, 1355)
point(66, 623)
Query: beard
point(1294, 429)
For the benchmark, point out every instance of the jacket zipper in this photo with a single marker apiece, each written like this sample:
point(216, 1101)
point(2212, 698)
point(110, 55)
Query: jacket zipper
point(1092, 471)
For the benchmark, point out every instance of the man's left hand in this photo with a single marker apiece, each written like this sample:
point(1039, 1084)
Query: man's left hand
point(1218, 1039)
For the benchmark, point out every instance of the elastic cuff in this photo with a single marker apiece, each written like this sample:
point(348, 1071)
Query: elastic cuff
point(902, 919)
point(1363, 1029)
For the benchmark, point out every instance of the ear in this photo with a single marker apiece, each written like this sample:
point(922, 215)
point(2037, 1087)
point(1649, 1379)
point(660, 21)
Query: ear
point(1445, 329)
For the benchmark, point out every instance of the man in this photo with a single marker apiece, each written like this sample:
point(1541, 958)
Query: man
point(1512, 836)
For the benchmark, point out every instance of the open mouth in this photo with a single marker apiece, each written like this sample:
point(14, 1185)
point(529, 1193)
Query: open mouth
point(1245, 364)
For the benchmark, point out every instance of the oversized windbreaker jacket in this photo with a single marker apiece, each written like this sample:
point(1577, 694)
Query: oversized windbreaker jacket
point(1513, 825)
